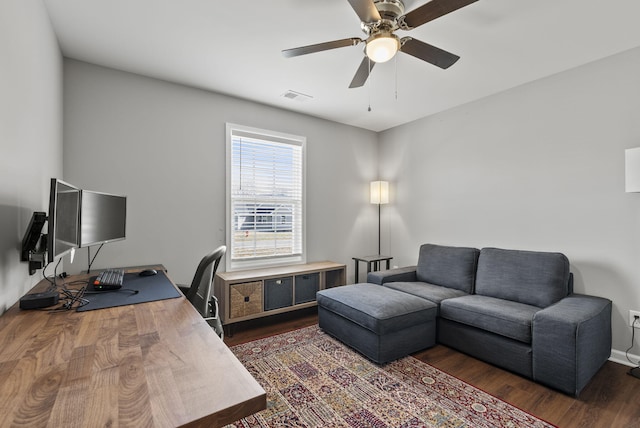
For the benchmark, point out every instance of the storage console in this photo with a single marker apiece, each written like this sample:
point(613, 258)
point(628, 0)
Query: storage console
point(249, 294)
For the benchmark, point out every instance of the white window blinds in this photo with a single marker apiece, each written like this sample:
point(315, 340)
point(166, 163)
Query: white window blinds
point(265, 195)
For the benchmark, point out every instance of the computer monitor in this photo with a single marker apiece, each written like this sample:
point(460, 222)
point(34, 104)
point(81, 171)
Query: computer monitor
point(102, 218)
point(64, 219)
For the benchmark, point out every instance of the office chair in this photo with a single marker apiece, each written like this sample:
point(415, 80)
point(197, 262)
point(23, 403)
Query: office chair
point(200, 294)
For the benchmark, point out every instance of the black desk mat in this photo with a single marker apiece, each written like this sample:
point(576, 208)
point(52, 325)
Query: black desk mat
point(149, 289)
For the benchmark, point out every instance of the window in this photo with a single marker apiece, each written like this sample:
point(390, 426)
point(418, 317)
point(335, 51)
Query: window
point(265, 198)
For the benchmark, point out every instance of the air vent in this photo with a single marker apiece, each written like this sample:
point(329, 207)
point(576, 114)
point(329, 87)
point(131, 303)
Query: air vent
point(298, 96)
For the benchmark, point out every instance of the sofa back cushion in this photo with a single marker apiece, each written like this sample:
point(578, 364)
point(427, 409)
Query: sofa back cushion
point(531, 277)
point(453, 267)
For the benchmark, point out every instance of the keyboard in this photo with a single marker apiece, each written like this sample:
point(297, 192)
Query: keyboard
point(110, 279)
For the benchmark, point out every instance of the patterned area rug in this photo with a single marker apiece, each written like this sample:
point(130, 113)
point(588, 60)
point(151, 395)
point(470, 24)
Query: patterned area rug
point(312, 380)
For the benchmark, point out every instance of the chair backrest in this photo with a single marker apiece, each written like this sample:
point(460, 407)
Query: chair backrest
point(200, 291)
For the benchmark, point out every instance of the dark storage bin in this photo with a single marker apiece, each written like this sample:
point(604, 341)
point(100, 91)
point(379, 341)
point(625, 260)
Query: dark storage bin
point(306, 287)
point(278, 293)
point(334, 278)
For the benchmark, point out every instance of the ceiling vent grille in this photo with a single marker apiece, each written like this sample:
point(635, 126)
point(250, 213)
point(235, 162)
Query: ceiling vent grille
point(298, 96)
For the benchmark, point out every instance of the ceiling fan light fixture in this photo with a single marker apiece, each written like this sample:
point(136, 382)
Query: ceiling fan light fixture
point(382, 47)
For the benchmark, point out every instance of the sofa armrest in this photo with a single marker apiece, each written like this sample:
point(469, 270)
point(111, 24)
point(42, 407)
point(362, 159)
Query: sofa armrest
point(403, 274)
point(571, 340)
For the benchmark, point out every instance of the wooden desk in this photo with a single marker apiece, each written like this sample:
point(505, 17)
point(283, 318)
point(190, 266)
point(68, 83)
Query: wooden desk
point(151, 364)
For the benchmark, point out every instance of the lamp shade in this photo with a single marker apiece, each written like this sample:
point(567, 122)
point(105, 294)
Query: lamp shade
point(379, 192)
point(632, 170)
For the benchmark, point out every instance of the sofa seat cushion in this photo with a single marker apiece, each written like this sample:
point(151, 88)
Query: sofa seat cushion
point(376, 308)
point(433, 293)
point(503, 317)
point(452, 267)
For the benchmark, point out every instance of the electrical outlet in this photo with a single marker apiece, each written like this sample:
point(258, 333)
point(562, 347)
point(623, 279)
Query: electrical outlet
point(632, 318)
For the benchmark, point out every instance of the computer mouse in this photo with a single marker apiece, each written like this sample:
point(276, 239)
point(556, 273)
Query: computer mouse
point(148, 272)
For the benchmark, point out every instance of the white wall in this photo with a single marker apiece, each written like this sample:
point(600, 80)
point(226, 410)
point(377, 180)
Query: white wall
point(30, 132)
point(164, 147)
point(538, 167)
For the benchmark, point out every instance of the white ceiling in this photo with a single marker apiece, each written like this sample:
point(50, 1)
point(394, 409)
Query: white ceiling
point(233, 47)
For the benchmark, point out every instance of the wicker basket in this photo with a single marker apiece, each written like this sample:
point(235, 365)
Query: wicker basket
point(246, 299)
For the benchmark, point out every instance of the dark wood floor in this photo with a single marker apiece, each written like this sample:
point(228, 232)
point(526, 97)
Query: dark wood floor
point(611, 399)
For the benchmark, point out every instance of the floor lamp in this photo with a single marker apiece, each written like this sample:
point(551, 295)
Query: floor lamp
point(380, 196)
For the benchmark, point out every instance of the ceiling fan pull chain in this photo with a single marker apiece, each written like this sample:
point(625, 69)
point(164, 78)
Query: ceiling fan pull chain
point(369, 84)
point(396, 65)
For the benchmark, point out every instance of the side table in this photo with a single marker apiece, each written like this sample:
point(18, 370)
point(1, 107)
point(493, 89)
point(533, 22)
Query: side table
point(373, 263)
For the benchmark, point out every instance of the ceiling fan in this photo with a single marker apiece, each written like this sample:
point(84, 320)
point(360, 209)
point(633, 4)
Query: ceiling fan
point(379, 19)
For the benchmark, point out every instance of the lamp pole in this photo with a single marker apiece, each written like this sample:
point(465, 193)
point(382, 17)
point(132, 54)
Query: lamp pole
point(379, 233)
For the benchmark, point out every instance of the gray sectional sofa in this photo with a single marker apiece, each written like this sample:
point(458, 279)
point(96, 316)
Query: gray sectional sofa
point(515, 309)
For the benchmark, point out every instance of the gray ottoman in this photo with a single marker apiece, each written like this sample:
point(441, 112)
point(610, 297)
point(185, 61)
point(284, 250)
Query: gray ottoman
point(380, 323)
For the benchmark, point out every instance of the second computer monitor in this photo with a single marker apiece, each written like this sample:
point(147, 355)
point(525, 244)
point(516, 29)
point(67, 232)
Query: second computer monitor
point(102, 218)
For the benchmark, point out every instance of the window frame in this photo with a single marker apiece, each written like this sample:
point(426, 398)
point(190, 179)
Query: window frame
point(279, 137)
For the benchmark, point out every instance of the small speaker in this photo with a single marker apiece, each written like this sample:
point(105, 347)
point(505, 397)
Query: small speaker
point(39, 300)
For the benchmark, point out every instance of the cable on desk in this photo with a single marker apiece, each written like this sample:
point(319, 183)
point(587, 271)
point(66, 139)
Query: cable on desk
point(52, 283)
point(89, 259)
point(73, 297)
point(69, 298)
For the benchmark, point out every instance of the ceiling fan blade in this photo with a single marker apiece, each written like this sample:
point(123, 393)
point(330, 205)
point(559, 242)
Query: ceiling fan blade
point(427, 52)
point(363, 73)
point(303, 50)
point(430, 11)
point(366, 10)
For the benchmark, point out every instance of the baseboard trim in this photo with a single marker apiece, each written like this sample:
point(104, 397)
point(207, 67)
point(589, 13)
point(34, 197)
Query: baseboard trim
point(621, 358)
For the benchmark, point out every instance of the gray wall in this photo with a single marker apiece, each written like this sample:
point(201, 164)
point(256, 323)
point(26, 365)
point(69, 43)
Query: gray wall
point(538, 167)
point(164, 147)
point(30, 132)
